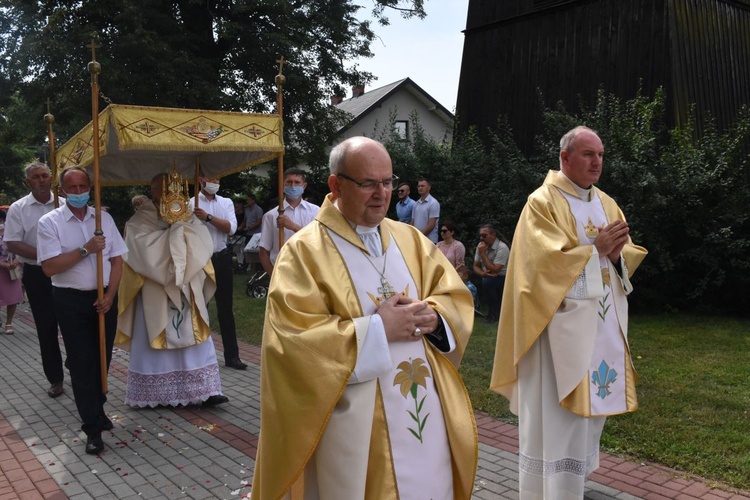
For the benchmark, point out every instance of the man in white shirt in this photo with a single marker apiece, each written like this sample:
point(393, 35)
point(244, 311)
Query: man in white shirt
point(217, 212)
point(20, 237)
point(297, 213)
point(66, 248)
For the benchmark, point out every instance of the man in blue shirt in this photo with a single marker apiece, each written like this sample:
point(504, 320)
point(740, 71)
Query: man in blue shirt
point(426, 211)
point(404, 205)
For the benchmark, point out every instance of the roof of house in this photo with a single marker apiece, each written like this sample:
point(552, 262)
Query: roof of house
point(359, 106)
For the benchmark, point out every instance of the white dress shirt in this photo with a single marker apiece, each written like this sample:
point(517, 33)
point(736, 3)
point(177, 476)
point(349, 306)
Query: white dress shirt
point(60, 232)
point(302, 214)
point(23, 216)
point(222, 208)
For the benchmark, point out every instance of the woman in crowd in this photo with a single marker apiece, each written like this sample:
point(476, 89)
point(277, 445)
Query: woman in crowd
point(453, 249)
point(11, 293)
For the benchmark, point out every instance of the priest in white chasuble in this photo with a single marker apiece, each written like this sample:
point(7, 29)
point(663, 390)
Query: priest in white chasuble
point(162, 319)
point(562, 357)
point(366, 323)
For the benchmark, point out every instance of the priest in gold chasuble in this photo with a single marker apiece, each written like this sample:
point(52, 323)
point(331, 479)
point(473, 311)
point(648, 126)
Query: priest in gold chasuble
point(366, 323)
point(562, 357)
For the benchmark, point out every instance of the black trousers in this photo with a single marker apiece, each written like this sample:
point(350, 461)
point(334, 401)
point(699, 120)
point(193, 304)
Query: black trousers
point(39, 291)
point(493, 290)
point(79, 324)
point(222, 262)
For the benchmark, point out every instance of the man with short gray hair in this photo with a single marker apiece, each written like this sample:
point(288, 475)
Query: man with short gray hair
point(366, 321)
point(562, 357)
point(20, 237)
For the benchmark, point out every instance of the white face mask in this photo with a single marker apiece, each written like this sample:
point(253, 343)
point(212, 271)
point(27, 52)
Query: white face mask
point(211, 187)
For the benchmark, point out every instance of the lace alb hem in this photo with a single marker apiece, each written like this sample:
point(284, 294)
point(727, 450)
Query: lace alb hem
point(174, 388)
point(548, 468)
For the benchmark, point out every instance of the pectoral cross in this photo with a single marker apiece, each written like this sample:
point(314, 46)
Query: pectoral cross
point(386, 290)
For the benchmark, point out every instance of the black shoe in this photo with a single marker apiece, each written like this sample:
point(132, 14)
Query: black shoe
point(490, 320)
point(107, 424)
point(236, 364)
point(55, 390)
point(216, 399)
point(94, 445)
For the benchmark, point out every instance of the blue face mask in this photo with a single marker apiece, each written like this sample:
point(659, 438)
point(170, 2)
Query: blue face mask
point(77, 200)
point(294, 192)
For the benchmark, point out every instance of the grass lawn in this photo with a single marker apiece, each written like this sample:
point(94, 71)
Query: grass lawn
point(693, 389)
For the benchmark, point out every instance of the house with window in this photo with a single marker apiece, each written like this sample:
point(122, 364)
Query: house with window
point(371, 111)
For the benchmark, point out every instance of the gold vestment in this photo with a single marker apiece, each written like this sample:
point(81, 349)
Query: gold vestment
point(310, 351)
point(546, 259)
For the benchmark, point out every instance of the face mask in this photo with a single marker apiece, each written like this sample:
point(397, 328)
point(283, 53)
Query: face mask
point(294, 192)
point(211, 187)
point(77, 200)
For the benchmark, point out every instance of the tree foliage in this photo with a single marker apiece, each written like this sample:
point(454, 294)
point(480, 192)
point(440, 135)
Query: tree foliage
point(686, 196)
point(208, 54)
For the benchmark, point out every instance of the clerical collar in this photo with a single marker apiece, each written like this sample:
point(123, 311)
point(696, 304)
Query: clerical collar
point(584, 194)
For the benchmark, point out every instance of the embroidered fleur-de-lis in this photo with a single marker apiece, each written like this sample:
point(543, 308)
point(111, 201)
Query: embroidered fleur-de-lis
point(603, 378)
point(412, 374)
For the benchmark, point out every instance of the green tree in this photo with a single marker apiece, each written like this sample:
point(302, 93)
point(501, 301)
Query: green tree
point(214, 54)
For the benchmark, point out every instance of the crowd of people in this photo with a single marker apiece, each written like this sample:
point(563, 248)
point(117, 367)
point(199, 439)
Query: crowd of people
point(366, 321)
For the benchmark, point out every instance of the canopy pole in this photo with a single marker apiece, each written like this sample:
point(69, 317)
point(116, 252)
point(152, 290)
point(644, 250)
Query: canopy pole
point(197, 185)
point(280, 81)
point(95, 68)
point(49, 119)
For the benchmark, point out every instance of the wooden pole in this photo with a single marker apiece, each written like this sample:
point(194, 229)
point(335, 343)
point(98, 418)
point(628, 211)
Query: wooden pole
point(280, 81)
point(49, 119)
point(95, 68)
point(197, 185)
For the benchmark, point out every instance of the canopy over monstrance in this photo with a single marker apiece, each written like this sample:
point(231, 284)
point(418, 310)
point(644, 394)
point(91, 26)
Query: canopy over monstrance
point(138, 142)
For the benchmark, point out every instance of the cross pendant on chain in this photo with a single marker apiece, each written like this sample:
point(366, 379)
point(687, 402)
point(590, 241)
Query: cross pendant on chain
point(386, 290)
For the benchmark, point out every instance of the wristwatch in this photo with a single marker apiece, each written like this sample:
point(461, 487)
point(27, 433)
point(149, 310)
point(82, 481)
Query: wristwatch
point(83, 251)
point(209, 217)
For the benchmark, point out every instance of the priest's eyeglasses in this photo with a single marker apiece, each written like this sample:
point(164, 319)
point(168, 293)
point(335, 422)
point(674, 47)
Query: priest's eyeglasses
point(372, 184)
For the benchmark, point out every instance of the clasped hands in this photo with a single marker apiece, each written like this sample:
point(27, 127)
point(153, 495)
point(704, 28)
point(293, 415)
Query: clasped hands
point(612, 239)
point(402, 316)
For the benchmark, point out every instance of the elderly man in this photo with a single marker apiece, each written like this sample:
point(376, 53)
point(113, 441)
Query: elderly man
point(562, 355)
point(217, 213)
point(20, 237)
point(426, 211)
point(297, 213)
point(66, 249)
point(366, 322)
point(168, 279)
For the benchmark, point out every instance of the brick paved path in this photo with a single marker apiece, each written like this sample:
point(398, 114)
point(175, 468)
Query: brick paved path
point(200, 453)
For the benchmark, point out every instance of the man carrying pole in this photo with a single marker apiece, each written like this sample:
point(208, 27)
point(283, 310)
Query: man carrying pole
point(66, 248)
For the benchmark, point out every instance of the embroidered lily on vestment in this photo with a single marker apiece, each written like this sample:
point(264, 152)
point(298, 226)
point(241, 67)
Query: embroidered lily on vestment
point(412, 375)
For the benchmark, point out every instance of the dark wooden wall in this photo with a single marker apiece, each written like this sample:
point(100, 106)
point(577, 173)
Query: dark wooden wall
point(698, 50)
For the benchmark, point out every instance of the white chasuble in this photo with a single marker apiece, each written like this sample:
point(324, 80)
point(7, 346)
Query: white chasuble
point(608, 371)
point(416, 427)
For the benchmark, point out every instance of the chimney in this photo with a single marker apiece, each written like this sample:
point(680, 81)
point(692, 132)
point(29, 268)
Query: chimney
point(358, 90)
point(336, 100)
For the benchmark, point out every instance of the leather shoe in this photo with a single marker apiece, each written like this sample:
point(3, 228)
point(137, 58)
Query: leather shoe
point(55, 390)
point(236, 364)
point(216, 399)
point(94, 445)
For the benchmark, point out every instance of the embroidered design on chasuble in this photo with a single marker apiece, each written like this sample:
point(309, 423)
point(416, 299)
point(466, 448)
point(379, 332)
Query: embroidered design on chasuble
point(610, 379)
point(412, 374)
point(419, 445)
